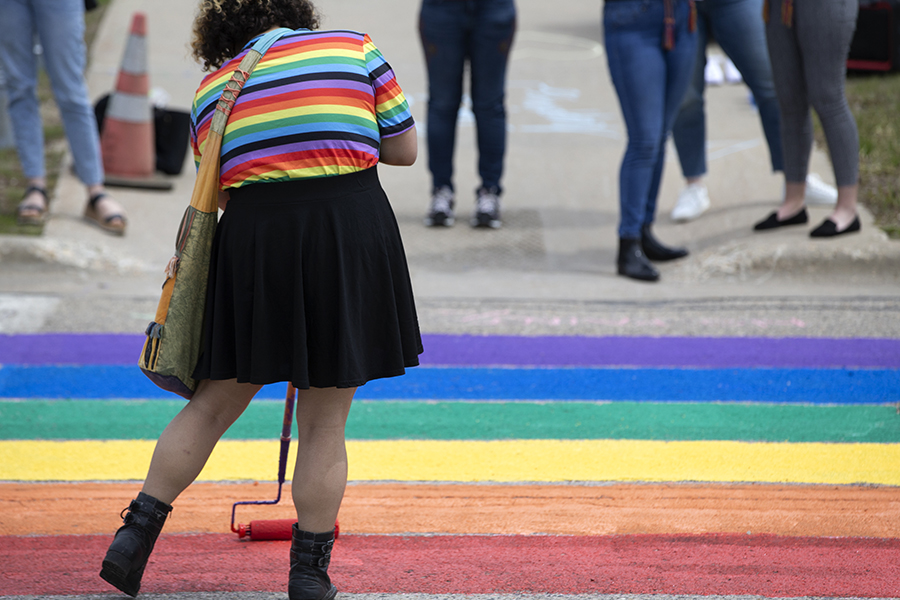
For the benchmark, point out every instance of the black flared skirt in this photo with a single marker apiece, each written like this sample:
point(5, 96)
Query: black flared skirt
point(309, 283)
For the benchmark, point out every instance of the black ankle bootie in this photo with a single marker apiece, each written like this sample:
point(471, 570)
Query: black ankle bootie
point(310, 555)
point(127, 556)
point(631, 261)
point(655, 250)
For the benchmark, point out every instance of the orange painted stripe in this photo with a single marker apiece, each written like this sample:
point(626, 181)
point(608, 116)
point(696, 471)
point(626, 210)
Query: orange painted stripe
point(787, 510)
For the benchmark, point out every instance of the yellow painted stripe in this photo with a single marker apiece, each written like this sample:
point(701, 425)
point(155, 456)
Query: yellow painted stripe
point(471, 461)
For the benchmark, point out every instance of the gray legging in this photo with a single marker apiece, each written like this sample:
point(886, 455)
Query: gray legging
point(809, 60)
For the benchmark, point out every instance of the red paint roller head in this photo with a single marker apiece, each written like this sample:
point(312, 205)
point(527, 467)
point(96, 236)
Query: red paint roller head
point(272, 529)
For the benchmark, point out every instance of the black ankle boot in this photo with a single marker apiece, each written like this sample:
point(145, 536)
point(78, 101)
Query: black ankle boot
point(127, 556)
point(655, 250)
point(310, 555)
point(632, 262)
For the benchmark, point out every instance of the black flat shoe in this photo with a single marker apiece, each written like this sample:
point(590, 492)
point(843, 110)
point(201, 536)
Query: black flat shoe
point(772, 221)
point(828, 228)
point(656, 250)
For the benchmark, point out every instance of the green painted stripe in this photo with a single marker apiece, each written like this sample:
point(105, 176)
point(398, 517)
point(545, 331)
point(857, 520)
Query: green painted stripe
point(385, 420)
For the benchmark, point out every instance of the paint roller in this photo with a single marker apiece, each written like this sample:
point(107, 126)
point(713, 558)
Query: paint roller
point(274, 529)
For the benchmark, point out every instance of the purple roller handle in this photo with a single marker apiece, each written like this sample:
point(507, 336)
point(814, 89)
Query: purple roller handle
point(282, 458)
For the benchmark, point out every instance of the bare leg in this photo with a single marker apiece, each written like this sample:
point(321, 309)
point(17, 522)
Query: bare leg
point(320, 475)
point(845, 211)
point(794, 194)
point(186, 443)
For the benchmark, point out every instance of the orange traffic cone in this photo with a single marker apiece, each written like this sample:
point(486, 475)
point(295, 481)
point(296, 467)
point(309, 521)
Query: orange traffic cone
point(126, 143)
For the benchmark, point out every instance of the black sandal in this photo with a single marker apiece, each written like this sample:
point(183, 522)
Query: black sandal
point(40, 209)
point(114, 223)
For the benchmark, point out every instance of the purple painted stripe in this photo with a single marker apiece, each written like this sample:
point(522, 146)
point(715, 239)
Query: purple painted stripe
point(71, 349)
point(662, 351)
point(457, 350)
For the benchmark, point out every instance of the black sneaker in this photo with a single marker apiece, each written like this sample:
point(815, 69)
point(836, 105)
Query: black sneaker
point(487, 208)
point(441, 212)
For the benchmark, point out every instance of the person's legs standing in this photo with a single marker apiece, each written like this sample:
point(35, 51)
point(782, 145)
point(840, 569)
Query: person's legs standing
point(317, 487)
point(679, 69)
point(493, 28)
point(489, 46)
point(20, 66)
point(740, 31)
point(60, 26)
point(180, 455)
point(796, 120)
point(637, 67)
point(633, 40)
point(320, 474)
point(689, 129)
point(824, 30)
point(444, 35)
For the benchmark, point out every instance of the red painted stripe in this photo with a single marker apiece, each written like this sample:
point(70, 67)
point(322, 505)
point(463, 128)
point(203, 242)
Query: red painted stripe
point(769, 566)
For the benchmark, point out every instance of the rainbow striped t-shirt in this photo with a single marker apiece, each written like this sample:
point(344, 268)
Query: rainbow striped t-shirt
point(317, 104)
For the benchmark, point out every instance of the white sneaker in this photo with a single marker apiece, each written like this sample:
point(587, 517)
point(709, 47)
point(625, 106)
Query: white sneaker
point(732, 75)
point(819, 192)
point(440, 212)
point(713, 73)
point(487, 208)
point(692, 202)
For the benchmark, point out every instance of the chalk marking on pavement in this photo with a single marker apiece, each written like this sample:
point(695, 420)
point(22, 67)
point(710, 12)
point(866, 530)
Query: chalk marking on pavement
point(21, 313)
point(539, 45)
point(733, 148)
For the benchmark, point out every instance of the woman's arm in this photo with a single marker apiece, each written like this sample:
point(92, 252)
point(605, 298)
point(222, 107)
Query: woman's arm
point(400, 150)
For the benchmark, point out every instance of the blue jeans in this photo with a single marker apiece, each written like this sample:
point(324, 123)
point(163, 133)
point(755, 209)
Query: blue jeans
point(738, 28)
point(479, 32)
point(650, 83)
point(59, 25)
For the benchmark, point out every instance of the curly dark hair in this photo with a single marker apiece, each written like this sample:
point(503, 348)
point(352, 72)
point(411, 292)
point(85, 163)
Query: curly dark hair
point(223, 27)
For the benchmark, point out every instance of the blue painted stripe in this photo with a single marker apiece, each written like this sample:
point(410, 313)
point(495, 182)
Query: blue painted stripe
point(812, 386)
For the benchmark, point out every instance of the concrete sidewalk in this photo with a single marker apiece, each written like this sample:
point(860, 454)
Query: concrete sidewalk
point(560, 206)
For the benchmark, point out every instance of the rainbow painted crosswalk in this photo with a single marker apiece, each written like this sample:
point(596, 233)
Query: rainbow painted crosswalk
point(789, 440)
